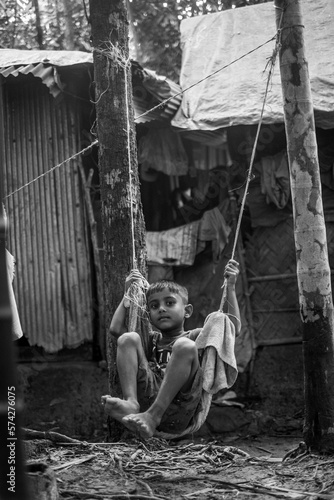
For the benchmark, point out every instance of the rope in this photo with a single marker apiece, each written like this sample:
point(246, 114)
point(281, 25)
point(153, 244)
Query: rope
point(94, 143)
point(134, 259)
point(249, 175)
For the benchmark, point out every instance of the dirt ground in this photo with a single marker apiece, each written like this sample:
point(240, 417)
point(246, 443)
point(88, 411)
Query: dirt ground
point(205, 469)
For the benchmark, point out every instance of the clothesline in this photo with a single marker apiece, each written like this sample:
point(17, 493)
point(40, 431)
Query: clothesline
point(163, 103)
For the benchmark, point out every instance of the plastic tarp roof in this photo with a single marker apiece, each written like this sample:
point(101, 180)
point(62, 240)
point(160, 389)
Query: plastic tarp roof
point(234, 96)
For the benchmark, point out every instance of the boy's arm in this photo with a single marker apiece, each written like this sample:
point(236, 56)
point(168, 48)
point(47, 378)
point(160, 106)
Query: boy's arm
point(231, 275)
point(118, 324)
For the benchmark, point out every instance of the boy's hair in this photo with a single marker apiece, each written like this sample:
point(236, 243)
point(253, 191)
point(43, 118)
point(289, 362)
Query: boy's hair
point(159, 286)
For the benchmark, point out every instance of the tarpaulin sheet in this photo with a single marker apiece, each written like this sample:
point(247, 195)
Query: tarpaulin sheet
point(234, 96)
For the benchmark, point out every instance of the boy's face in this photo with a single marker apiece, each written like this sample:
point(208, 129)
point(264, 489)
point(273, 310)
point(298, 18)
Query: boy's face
point(167, 310)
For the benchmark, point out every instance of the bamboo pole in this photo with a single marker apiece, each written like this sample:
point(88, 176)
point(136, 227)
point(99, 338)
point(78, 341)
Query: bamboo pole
point(96, 255)
point(274, 277)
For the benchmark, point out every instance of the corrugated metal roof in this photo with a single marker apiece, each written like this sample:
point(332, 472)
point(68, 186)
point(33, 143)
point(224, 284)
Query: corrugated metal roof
point(161, 88)
point(43, 64)
point(48, 75)
point(17, 57)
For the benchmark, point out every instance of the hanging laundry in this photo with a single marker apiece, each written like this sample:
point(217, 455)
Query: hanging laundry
point(16, 324)
point(17, 332)
point(214, 228)
point(179, 246)
point(275, 179)
point(176, 247)
point(161, 149)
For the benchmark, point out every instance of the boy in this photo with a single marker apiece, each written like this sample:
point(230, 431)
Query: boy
point(162, 393)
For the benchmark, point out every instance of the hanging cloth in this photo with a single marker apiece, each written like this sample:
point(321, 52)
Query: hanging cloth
point(16, 324)
point(17, 332)
point(275, 180)
point(161, 149)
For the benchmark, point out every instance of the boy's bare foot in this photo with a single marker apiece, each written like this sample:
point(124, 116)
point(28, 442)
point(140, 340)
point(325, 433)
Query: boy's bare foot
point(118, 408)
point(141, 423)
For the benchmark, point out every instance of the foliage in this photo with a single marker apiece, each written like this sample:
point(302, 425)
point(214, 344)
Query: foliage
point(155, 26)
point(64, 25)
point(19, 24)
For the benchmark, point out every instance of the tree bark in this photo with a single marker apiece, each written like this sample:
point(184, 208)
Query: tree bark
point(39, 31)
point(69, 31)
point(122, 217)
point(313, 271)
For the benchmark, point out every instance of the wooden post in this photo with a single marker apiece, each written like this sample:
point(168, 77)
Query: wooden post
point(313, 271)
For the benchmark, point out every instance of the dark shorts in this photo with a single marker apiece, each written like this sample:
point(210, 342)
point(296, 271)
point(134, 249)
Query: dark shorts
point(184, 407)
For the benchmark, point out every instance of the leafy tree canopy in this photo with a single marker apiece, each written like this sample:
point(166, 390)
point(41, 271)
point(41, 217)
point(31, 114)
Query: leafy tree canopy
point(64, 25)
point(155, 29)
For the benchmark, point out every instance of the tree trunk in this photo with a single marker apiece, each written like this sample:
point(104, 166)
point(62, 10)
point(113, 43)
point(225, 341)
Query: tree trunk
point(69, 31)
point(313, 271)
point(39, 31)
point(122, 217)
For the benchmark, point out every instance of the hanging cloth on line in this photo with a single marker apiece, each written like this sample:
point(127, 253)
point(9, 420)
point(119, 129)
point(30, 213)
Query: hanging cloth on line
point(161, 149)
point(16, 324)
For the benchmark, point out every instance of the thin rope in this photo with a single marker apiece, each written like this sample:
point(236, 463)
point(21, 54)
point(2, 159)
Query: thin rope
point(249, 175)
point(165, 101)
point(94, 143)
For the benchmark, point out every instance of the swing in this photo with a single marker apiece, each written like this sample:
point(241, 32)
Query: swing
point(216, 340)
point(218, 333)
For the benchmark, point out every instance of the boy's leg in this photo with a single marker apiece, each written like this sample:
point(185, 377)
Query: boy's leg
point(179, 375)
point(130, 354)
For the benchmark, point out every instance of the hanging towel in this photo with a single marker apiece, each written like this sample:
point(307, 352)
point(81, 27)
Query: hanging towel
point(219, 365)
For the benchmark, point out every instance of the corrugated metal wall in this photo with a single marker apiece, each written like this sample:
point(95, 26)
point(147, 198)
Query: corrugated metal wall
point(48, 229)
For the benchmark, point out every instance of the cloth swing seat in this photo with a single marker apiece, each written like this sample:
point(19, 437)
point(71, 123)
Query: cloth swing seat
point(219, 365)
point(216, 341)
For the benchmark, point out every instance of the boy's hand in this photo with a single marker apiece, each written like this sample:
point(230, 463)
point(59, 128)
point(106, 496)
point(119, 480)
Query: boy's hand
point(134, 275)
point(231, 272)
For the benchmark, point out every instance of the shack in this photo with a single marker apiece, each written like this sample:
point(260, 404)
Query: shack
point(51, 196)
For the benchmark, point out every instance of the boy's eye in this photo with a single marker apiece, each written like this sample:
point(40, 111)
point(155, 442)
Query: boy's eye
point(170, 302)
